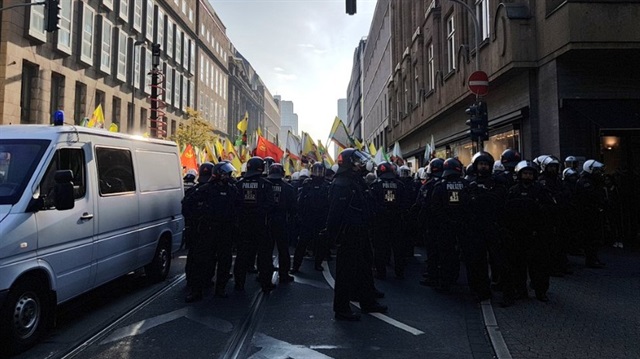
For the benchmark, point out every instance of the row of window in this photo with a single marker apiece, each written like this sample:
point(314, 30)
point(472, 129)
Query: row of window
point(211, 39)
point(213, 112)
point(212, 77)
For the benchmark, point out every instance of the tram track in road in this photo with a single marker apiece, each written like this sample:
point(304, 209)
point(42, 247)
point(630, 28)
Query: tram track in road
point(80, 345)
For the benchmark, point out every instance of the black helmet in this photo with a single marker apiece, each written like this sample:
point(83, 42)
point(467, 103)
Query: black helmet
point(526, 165)
point(276, 171)
point(451, 166)
point(510, 158)
point(482, 156)
point(318, 169)
point(434, 169)
point(470, 170)
point(222, 169)
point(255, 166)
point(204, 173)
point(352, 160)
point(268, 161)
point(386, 170)
point(329, 173)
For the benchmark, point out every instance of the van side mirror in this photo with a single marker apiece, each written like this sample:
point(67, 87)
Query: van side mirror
point(63, 190)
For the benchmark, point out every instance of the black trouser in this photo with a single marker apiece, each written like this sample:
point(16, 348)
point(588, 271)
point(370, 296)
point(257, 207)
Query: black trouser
point(387, 239)
point(310, 237)
point(592, 235)
point(279, 235)
point(254, 238)
point(529, 254)
point(448, 259)
point(208, 250)
point(353, 271)
point(475, 248)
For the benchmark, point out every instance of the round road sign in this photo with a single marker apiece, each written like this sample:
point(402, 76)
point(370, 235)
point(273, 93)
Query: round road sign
point(479, 83)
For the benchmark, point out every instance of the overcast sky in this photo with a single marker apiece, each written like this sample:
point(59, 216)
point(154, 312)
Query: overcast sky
point(301, 49)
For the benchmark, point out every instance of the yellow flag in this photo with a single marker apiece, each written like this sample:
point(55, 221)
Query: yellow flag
point(211, 154)
point(259, 132)
point(97, 118)
point(232, 155)
point(219, 147)
point(358, 144)
point(244, 123)
point(372, 149)
point(113, 127)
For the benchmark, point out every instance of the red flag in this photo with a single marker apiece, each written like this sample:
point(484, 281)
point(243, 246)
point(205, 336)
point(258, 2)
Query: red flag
point(266, 148)
point(188, 158)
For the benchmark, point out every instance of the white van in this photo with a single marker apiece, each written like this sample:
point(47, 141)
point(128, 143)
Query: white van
point(79, 207)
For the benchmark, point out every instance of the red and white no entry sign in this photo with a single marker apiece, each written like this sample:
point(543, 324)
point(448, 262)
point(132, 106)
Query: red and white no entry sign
point(479, 83)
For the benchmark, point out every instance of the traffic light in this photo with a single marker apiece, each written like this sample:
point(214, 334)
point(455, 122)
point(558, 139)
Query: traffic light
point(52, 15)
point(478, 121)
point(351, 7)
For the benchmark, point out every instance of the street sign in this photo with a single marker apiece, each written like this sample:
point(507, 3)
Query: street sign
point(479, 83)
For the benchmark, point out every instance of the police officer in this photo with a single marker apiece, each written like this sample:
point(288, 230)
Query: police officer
point(313, 204)
point(486, 199)
point(189, 179)
point(348, 220)
point(449, 206)
point(255, 204)
point(433, 173)
point(216, 201)
point(527, 249)
point(407, 230)
point(590, 197)
point(285, 201)
point(510, 159)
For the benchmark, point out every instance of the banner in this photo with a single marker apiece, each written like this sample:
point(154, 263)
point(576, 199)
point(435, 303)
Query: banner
point(266, 148)
point(310, 152)
point(244, 123)
point(339, 134)
point(97, 118)
point(293, 145)
point(188, 158)
point(232, 155)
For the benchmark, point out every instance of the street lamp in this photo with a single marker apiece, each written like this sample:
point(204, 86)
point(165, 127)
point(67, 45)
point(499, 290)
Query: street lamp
point(133, 87)
point(476, 25)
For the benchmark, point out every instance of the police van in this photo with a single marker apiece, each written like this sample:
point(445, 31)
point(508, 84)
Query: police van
point(79, 207)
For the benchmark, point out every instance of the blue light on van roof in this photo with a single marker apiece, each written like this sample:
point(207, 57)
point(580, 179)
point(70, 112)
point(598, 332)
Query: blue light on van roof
point(58, 118)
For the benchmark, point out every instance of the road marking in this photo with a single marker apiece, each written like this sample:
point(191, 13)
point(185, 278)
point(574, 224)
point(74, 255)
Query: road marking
point(490, 322)
point(272, 348)
point(327, 276)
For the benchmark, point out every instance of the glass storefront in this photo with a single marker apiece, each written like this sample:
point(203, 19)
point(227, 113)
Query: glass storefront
point(497, 143)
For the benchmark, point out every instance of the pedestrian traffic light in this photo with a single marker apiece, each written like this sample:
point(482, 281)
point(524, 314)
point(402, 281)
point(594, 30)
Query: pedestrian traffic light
point(351, 7)
point(478, 121)
point(52, 11)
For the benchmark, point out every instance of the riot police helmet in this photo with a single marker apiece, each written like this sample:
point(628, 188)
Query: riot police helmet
point(479, 157)
point(318, 170)
point(329, 173)
point(204, 173)
point(593, 167)
point(571, 162)
point(452, 167)
point(295, 176)
point(304, 173)
point(524, 166)
point(370, 178)
point(222, 169)
point(404, 171)
point(352, 160)
point(386, 170)
point(255, 166)
point(268, 161)
point(435, 167)
point(420, 173)
point(276, 171)
point(569, 174)
point(550, 164)
point(498, 167)
point(191, 175)
point(510, 158)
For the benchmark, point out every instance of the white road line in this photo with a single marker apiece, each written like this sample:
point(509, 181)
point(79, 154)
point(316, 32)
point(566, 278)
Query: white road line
point(327, 276)
point(497, 341)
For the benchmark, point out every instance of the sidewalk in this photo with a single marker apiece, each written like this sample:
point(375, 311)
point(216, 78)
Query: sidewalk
point(593, 313)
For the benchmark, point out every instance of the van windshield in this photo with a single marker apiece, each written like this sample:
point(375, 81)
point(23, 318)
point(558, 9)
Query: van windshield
point(18, 160)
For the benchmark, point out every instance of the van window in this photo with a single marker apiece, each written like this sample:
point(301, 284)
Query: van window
point(65, 159)
point(18, 161)
point(115, 171)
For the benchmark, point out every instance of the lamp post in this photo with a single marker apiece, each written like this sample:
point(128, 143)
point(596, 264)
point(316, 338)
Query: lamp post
point(133, 87)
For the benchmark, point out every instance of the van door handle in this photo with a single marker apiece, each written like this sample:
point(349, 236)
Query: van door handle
point(86, 216)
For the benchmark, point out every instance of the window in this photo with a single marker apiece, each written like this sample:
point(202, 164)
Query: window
point(100, 99)
point(57, 93)
point(169, 82)
point(160, 29)
point(122, 56)
point(482, 12)
point(192, 56)
point(149, 31)
point(65, 26)
point(137, 15)
point(147, 69)
point(185, 51)
point(115, 171)
point(184, 7)
point(36, 22)
point(206, 73)
point(451, 44)
point(64, 159)
point(86, 48)
point(136, 66)
point(105, 52)
point(123, 10)
point(192, 94)
point(169, 38)
point(116, 111)
point(431, 70)
point(190, 15)
point(143, 120)
point(28, 86)
point(178, 44)
point(108, 4)
point(80, 103)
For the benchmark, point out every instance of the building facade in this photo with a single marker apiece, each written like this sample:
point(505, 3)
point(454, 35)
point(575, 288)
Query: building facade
point(354, 93)
point(246, 95)
point(271, 130)
point(560, 81)
point(289, 120)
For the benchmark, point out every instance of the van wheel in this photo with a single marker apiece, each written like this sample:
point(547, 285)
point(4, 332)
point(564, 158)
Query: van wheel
point(24, 316)
point(158, 269)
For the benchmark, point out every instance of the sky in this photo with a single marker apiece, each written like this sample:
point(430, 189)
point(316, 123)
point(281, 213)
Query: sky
point(301, 49)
